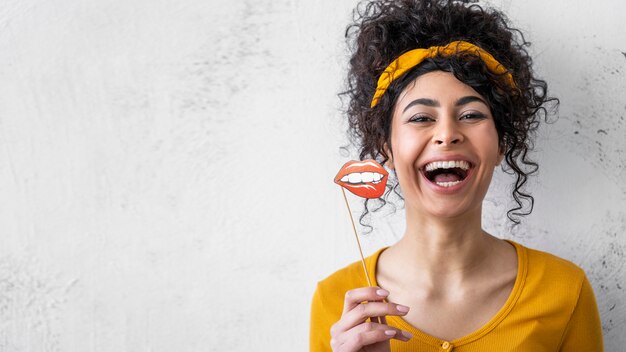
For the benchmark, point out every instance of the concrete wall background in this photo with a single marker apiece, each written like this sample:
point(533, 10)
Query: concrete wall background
point(166, 168)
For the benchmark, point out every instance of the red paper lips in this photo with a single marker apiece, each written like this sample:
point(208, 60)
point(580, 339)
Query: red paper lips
point(365, 178)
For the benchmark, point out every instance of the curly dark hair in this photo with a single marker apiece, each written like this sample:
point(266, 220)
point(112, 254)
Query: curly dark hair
point(384, 29)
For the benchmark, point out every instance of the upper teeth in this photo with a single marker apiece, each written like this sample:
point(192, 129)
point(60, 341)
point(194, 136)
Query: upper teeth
point(362, 177)
point(461, 164)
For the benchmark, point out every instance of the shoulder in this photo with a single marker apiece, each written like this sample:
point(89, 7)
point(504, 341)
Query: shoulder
point(546, 266)
point(552, 284)
point(333, 288)
point(349, 277)
point(557, 293)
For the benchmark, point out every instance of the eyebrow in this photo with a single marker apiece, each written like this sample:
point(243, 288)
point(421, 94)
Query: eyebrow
point(469, 99)
point(434, 103)
point(422, 101)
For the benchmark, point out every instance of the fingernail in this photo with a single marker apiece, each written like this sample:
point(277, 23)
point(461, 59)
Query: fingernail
point(390, 332)
point(382, 293)
point(407, 334)
point(402, 309)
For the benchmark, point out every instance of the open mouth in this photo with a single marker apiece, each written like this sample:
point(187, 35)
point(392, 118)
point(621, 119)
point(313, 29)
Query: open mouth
point(365, 178)
point(447, 173)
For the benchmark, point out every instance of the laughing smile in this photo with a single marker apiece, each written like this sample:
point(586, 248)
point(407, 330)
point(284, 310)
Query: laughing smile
point(447, 173)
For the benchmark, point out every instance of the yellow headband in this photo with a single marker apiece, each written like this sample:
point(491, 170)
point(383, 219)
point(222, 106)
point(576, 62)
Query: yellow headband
point(414, 57)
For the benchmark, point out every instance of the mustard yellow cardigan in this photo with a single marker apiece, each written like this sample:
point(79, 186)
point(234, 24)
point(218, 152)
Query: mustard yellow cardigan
point(551, 308)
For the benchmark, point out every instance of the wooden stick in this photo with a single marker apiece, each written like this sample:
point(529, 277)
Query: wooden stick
point(378, 320)
point(367, 275)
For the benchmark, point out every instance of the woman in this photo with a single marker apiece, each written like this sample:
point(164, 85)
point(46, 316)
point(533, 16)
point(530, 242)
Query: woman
point(443, 92)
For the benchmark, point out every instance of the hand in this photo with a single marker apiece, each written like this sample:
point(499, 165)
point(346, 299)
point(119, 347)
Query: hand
point(353, 333)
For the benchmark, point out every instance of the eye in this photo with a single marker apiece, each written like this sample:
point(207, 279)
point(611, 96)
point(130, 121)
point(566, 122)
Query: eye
point(421, 118)
point(472, 116)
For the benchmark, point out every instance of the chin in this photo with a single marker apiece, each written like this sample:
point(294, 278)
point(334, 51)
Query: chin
point(447, 210)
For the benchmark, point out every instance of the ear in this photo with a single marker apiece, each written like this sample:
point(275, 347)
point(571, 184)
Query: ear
point(389, 162)
point(501, 152)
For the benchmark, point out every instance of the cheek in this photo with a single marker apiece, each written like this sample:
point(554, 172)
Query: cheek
point(487, 141)
point(407, 146)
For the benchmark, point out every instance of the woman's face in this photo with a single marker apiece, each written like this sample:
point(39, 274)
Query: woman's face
point(444, 146)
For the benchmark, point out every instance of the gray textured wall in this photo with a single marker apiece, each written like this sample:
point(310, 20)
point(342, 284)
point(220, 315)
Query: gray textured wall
point(166, 168)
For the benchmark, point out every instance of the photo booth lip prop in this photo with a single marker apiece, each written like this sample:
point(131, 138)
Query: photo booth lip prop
point(372, 189)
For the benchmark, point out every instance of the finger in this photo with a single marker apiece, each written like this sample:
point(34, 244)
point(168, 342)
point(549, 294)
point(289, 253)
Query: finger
point(366, 339)
point(363, 311)
point(356, 296)
point(369, 326)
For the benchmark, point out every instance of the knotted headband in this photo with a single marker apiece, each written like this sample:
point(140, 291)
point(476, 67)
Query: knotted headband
point(414, 57)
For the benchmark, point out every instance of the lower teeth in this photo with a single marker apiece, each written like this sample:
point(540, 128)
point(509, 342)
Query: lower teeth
point(448, 184)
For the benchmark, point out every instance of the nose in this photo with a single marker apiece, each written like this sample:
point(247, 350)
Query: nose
point(447, 132)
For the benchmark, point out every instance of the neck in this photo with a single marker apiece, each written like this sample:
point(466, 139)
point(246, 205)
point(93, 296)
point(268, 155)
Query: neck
point(448, 251)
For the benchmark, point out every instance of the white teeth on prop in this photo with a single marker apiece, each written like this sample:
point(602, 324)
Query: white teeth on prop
point(448, 184)
point(461, 164)
point(367, 177)
point(354, 178)
point(362, 177)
